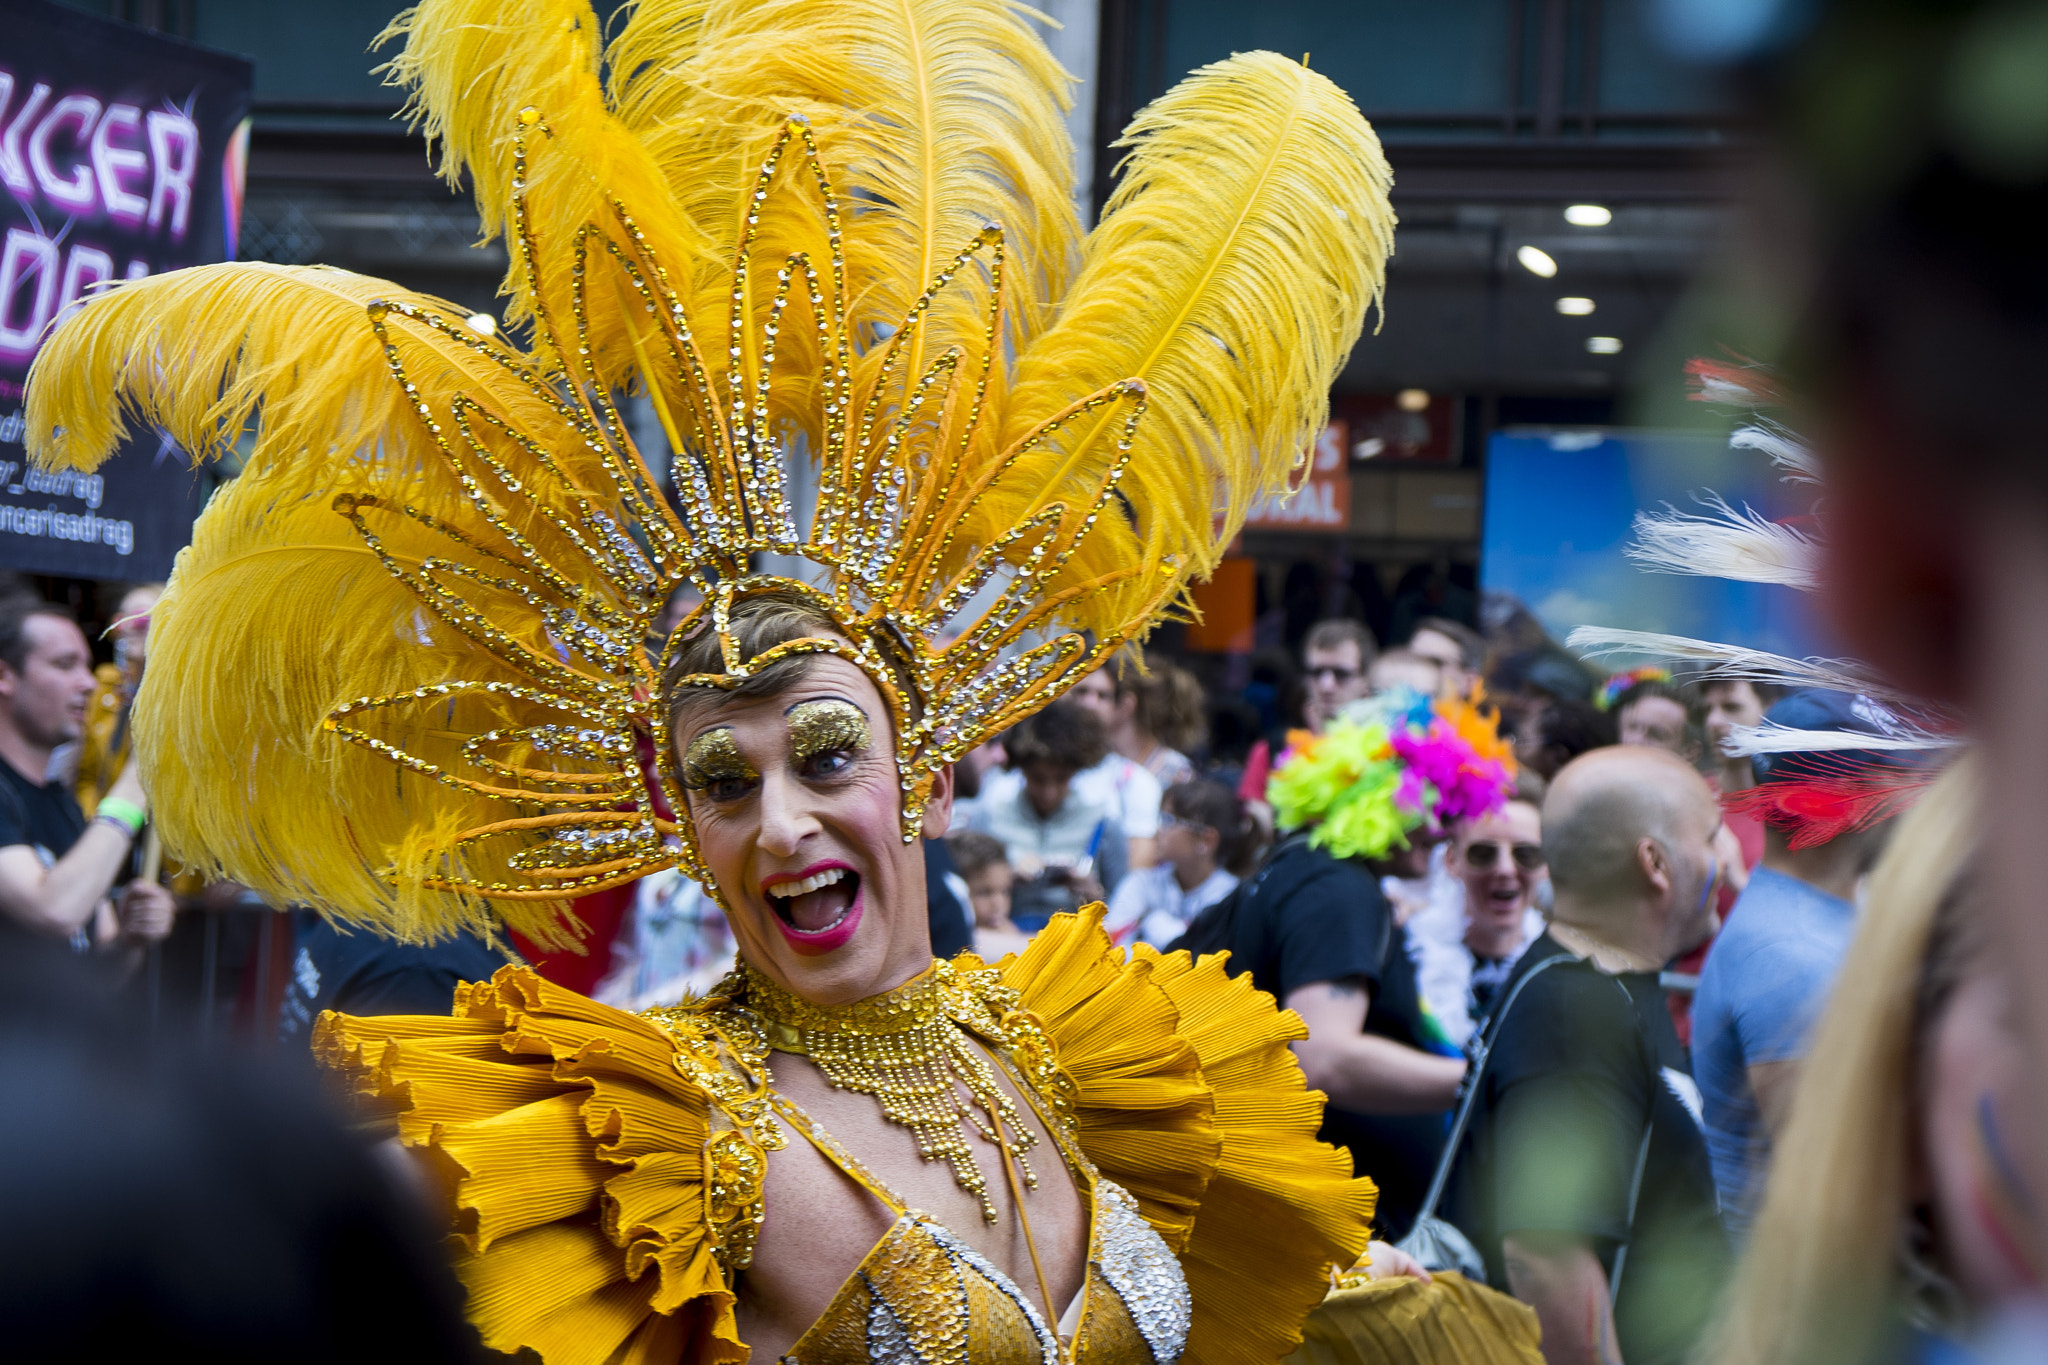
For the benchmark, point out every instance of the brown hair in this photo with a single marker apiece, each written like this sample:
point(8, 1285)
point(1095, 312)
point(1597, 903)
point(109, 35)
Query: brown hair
point(14, 617)
point(1217, 807)
point(1471, 644)
point(1342, 631)
point(1062, 734)
point(1766, 693)
point(757, 625)
point(1172, 708)
point(974, 851)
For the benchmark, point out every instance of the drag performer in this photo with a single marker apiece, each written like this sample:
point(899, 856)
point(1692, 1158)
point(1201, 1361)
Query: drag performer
point(400, 674)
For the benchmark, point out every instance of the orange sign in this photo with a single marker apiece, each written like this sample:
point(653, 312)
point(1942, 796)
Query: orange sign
point(1225, 603)
point(1323, 502)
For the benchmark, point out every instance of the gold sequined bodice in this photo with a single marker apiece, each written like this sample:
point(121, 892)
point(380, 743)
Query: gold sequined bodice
point(923, 1296)
point(616, 1166)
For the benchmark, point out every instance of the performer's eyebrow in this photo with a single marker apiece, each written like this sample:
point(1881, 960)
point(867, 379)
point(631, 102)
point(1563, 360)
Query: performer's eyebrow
point(715, 756)
point(823, 725)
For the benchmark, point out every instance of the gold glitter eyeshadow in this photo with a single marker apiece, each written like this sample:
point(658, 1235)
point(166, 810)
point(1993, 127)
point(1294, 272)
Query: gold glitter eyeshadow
point(715, 756)
point(826, 726)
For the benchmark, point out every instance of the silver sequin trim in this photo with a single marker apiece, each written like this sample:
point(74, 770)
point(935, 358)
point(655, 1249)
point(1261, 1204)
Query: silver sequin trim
point(888, 1343)
point(1145, 1275)
point(1048, 1344)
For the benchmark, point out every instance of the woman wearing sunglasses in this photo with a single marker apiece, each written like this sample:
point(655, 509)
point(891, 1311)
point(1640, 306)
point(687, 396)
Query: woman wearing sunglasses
point(1499, 858)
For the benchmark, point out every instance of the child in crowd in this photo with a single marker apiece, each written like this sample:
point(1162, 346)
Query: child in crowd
point(1062, 836)
point(1205, 839)
point(985, 872)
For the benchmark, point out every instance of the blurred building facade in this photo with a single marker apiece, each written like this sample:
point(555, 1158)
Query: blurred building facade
point(1498, 116)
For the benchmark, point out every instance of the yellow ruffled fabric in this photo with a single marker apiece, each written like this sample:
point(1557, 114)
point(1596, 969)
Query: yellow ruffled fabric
point(573, 1150)
point(575, 1155)
point(1191, 1100)
point(1449, 1321)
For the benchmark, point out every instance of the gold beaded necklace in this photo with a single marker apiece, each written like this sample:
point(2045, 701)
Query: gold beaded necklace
point(904, 1049)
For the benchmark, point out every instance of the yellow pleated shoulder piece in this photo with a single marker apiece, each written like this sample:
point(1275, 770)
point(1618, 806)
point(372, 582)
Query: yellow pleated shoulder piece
point(1190, 1099)
point(1449, 1321)
point(575, 1151)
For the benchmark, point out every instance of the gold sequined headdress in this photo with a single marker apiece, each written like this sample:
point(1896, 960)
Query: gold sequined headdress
point(403, 670)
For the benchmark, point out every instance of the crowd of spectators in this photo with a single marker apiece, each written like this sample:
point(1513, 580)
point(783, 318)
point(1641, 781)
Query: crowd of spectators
point(1616, 1139)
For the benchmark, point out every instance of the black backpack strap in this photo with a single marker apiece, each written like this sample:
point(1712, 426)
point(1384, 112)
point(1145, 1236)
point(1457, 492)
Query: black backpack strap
point(1212, 930)
point(1481, 1049)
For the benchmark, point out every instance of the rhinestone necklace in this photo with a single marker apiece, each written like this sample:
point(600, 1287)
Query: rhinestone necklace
point(905, 1050)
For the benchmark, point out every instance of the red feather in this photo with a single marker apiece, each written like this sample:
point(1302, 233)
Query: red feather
point(1836, 796)
point(1752, 383)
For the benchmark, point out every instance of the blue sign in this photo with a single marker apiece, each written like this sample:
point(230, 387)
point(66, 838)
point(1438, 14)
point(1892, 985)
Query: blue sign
point(1559, 510)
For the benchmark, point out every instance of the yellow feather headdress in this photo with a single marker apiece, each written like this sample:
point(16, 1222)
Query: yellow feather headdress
point(402, 671)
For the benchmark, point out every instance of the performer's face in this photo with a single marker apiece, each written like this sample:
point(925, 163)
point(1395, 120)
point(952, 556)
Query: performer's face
point(795, 802)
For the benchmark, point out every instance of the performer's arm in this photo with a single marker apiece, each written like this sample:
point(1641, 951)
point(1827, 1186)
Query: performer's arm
point(1359, 1071)
point(1558, 1275)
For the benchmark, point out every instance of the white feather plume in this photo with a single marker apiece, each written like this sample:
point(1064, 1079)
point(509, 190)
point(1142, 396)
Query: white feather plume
point(1794, 457)
point(1744, 545)
point(1737, 543)
point(1715, 388)
point(1711, 660)
point(1773, 738)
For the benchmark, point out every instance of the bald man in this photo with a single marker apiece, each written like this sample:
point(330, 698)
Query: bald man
point(1583, 1177)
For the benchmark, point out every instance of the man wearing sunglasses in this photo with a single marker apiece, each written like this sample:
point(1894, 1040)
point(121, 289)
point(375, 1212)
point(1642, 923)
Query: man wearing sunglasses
point(1336, 657)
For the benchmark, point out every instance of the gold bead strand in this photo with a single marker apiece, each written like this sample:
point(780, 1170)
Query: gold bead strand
point(904, 1050)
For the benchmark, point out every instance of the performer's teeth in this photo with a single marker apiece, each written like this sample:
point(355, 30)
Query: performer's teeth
point(790, 890)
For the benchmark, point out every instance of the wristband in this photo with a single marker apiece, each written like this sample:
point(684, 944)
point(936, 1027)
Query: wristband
point(124, 815)
point(119, 827)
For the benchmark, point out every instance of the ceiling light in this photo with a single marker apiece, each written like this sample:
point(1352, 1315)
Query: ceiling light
point(1588, 215)
point(1604, 345)
point(1412, 400)
point(483, 324)
point(1574, 307)
point(1536, 261)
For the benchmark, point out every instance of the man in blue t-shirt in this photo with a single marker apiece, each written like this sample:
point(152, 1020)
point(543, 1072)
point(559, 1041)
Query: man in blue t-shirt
point(1768, 975)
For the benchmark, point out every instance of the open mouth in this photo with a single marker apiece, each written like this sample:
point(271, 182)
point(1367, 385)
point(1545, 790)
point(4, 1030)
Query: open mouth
point(1503, 905)
point(818, 908)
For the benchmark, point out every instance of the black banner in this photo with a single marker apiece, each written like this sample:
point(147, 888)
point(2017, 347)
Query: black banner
point(122, 154)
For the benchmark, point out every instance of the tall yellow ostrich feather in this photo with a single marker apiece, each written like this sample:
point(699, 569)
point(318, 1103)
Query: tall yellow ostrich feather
point(1231, 275)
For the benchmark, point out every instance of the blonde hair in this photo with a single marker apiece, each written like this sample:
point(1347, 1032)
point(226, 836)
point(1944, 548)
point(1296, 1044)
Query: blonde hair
point(1819, 1281)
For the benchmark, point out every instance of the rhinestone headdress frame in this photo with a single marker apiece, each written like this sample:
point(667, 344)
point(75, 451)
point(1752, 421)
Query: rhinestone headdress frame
point(885, 562)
